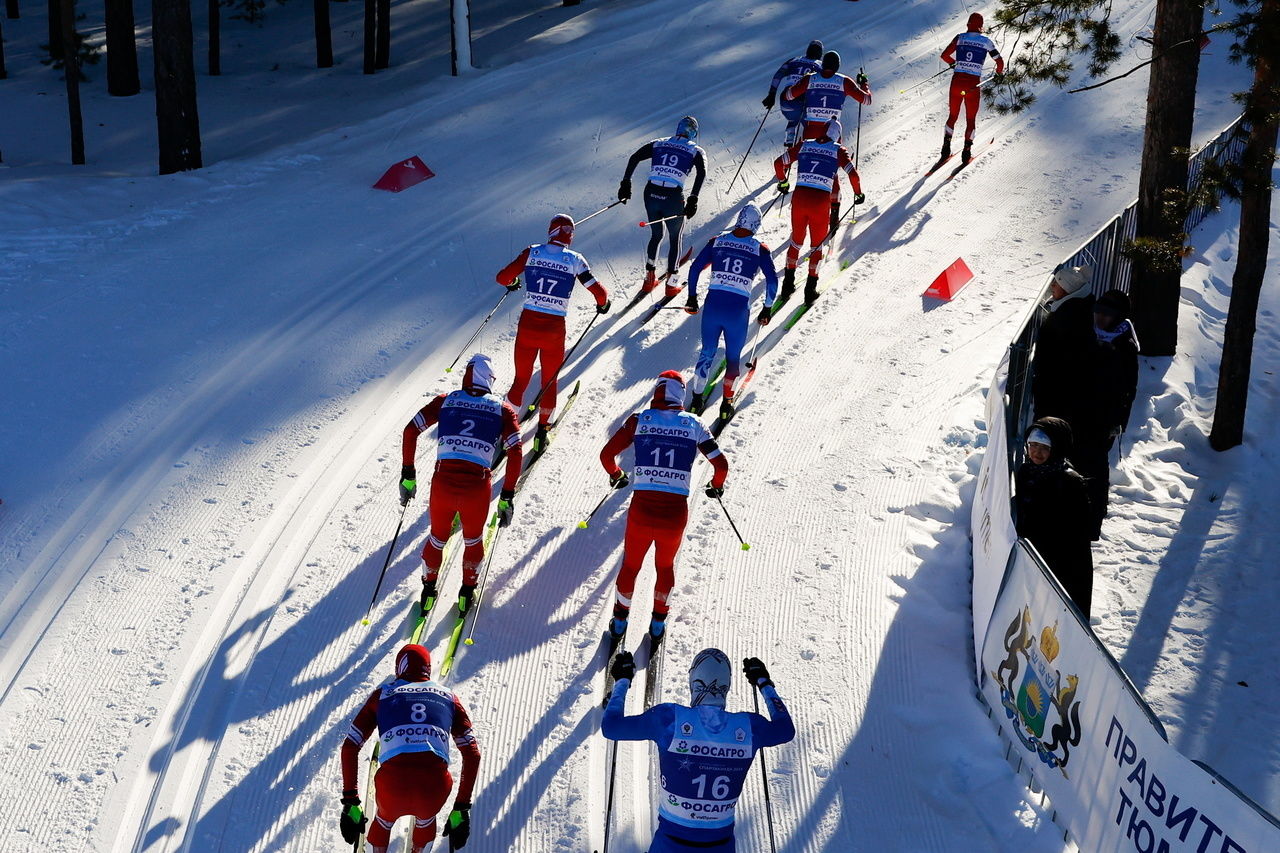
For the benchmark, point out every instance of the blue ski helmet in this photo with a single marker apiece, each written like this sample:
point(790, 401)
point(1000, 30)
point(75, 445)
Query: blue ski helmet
point(688, 128)
point(709, 678)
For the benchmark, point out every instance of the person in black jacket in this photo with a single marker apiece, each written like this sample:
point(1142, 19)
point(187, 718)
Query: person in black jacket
point(1052, 509)
point(1110, 374)
point(1058, 385)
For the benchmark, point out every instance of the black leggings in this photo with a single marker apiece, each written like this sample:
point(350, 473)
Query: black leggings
point(659, 203)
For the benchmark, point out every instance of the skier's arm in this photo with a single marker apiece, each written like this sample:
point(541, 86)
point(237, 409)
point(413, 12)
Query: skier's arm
point(778, 728)
point(464, 738)
point(798, 88)
point(699, 264)
point(777, 77)
point(617, 443)
point(651, 725)
point(700, 171)
point(587, 280)
point(846, 163)
point(719, 463)
point(644, 152)
point(361, 727)
point(770, 274)
point(508, 274)
point(515, 451)
point(949, 55)
point(424, 419)
point(782, 165)
point(995, 54)
point(858, 93)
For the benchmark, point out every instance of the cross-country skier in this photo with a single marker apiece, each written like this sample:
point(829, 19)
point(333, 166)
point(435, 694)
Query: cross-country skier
point(815, 207)
point(823, 94)
point(472, 424)
point(967, 54)
point(787, 75)
point(734, 258)
point(550, 270)
point(670, 162)
point(667, 442)
point(413, 715)
point(704, 751)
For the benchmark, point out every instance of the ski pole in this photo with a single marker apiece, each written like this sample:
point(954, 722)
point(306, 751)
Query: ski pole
point(480, 328)
point(534, 405)
point(729, 518)
point(857, 145)
point(925, 80)
point(582, 525)
point(749, 147)
point(600, 211)
point(764, 780)
point(771, 203)
point(643, 224)
point(390, 551)
point(484, 579)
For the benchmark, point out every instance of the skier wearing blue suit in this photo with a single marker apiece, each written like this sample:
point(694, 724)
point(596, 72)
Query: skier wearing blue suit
point(704, 751)
point(789, 73)
point(734, 258)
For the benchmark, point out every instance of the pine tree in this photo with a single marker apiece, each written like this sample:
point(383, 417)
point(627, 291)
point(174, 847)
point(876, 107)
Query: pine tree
point(177, 117)
point(324, 34)
point(1258, 44)
point(122, 49)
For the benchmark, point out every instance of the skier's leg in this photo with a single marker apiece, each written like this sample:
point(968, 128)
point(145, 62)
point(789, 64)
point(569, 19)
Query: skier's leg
point(667, 539)
point(551, 359)
point(971, 100)
point(819, 228)
point(711, 328)
point(442, 505)
point(474, 509)
point(433, 784)
point(654, 204)
point(637, 539)
point(674, 229)
point(735, 337)
point(954, 98)
point(526, 353)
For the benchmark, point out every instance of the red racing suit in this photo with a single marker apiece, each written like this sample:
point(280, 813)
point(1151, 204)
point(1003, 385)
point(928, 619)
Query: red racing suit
point(819, 109)
point(654, 519)
point(975, 48)
point(460, 487)
point(811, 207)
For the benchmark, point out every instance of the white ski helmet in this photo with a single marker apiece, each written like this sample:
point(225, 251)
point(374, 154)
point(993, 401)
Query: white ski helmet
point(709, 678)
point(479, 373)
point(668, 393)
point(748, 218)
point(834, 130)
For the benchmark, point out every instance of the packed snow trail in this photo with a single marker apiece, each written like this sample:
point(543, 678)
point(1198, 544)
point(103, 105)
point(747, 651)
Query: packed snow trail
point(204, 493)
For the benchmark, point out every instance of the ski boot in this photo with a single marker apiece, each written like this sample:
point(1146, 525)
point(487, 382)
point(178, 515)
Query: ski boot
point(650, 279)
point(946, 152)
point(788, 286)
point(698, 402)
point(618, 624)
point(657, 628)
point(541, 439)
point(726, 409)
point(673, 289)
point(429, 593)
point(966, 154)
point(466, 596)
point(811, 289)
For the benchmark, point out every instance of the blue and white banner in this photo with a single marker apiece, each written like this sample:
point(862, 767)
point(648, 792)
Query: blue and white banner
point(1091, 741)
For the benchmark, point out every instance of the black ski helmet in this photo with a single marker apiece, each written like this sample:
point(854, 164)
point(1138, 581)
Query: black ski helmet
point(814, 50)
point(831, 61)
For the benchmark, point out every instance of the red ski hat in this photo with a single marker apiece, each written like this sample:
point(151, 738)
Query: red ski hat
point(669, 392)
point(413, 663)
point(975, 22)
point(561, 229)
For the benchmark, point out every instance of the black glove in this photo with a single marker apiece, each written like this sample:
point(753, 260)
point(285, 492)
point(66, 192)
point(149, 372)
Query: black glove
point(624, 191)
point(624, 666)
point(691, 206)
point(408, 484)
point(619, 480)
point(513, 286)
point(756, 672)
point(766, 314)
point(835, 216)
point(506, 505)
point(861, 80)
point(353, 819)
point(458, 827)
point(604, 309)
point(859, 198)
point(716, 492)
point(691, 304)
point(784, 187)
point(768, 99)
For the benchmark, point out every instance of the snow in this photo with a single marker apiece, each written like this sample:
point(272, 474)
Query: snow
point(207, 374)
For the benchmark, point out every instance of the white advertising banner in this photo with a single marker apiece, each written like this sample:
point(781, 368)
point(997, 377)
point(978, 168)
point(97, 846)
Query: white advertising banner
point(991, 524)
point(1091, 741)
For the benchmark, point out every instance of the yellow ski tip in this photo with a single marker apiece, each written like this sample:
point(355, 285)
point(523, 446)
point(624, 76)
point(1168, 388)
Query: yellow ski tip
point(364, 621)
point(746, 546)
point(469, 642)
point(582, 525)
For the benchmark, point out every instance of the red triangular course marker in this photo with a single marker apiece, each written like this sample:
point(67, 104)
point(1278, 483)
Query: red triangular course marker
point(947, 285)
point(403, 175)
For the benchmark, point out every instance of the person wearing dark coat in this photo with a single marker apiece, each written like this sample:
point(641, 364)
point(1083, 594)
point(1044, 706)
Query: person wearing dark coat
point(1111, 380)
point(1051, 503)
point(1058, 385)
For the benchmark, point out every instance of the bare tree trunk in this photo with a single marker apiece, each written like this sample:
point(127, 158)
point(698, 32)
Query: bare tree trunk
point(370, 24)
point(11, 8)
point(1262, 111)
point(122, 49)
point(215, 38)
point(382, 54)
point(3, 72)
point(177, 118)
point(324, 35)
point(1170, 112)
point(55, 29)
point(71, 71)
